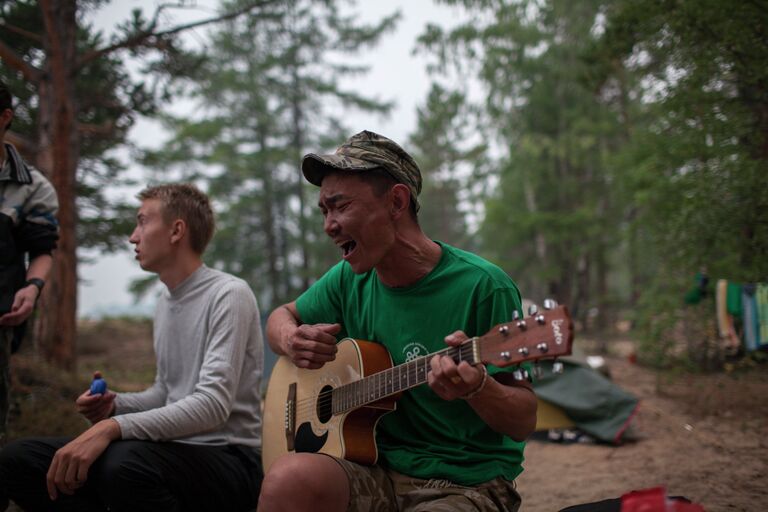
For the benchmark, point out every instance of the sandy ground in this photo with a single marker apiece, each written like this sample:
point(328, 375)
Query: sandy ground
point(704, 437)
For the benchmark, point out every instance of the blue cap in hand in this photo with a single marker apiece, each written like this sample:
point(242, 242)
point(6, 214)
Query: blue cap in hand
point(99, 385)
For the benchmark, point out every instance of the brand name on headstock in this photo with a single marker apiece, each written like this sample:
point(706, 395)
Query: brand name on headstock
point(557, 331)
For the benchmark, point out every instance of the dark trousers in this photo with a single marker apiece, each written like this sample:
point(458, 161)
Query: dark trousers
point(137, 476)
point(5, 380)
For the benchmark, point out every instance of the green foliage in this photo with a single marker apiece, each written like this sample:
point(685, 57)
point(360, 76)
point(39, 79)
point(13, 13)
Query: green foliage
point(451, 163)
point(551, 215)
point(267, 92)
point(108, 103)
point(633, 138)
point(696, 161)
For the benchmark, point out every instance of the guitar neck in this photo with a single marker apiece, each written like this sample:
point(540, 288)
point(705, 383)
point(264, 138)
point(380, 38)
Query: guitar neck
point(397, 379)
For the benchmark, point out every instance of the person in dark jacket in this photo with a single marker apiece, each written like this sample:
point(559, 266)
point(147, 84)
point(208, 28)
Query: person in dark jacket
point(28, 232)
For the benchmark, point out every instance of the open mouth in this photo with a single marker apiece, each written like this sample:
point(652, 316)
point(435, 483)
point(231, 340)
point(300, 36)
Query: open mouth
point(347, 248)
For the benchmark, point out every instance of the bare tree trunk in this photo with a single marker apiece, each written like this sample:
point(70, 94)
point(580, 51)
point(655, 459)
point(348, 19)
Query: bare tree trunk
point(59, 152)
point(57, 149)
point(298, 144)
point(268, 211)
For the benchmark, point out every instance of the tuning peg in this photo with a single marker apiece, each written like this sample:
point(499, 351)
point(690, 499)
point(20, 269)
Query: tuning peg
point(540, 319)
point(557, 367)
point(533, 309)
point(542, 347)
point(523, 351)
point(520, 374)
point(506, 355)
point(521, 325)
point(515, 315)
point(550, 304)
point(538, 372)
point(504, 330)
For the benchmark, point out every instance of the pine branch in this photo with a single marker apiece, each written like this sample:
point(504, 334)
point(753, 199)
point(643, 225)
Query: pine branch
point(105, 128)
point(149, 37)
point(24, 33)
point(16, 61)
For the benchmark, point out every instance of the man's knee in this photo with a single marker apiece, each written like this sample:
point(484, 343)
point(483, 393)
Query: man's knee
point(285, 473)
point(11, 460)
point(23, 466)
point(308, 478)
point(22, 456)
point(11, 454)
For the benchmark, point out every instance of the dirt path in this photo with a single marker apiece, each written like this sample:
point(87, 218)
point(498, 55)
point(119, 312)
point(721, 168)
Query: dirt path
point(706, 438)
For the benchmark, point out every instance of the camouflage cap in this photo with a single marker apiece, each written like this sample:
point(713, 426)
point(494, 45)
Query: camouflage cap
point(362, 152)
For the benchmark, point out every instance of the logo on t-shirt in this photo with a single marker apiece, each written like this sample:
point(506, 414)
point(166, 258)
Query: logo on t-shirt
point(414, 350)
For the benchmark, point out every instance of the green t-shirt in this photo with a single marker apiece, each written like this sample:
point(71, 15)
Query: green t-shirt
point(426, 436)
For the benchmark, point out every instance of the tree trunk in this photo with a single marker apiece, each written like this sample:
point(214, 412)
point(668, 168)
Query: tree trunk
point(59, 152)
point(298, 144)
point(268, 211)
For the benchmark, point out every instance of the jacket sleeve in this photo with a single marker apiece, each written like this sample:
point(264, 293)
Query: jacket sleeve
point(38, 228)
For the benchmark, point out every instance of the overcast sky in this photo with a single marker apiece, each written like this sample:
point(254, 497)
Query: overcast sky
point(395, 75)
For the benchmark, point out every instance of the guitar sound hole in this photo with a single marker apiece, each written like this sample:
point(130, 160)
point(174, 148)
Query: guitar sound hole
point(325, 404)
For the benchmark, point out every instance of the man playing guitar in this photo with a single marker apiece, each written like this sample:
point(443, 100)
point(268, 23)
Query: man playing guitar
point(455, 444)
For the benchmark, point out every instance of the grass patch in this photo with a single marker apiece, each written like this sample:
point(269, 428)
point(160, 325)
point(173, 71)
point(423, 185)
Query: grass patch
point(43, 397)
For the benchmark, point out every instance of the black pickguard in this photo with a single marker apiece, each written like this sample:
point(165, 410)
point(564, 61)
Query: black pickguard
point(307, 441)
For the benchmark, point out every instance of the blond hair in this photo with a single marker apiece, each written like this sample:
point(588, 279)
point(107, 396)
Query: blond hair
point(186, 202)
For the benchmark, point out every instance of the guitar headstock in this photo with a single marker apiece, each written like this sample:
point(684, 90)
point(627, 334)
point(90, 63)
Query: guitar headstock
point(543, 334)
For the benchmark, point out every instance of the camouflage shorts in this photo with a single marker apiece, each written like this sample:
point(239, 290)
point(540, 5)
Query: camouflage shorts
point(373, 488)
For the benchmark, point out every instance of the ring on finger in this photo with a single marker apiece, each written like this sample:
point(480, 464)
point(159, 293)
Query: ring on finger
point(456, 380)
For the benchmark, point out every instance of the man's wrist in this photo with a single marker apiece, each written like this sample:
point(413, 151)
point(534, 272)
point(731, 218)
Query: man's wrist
point(286, 331)
point(111, 428)
point(37, 283)
point(473, 393)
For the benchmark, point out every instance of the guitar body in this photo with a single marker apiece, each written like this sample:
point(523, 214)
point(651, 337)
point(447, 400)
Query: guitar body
point(334, 409)
point(298, 400)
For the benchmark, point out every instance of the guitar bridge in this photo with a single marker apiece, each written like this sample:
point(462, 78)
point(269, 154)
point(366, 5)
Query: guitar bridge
point(290, 417)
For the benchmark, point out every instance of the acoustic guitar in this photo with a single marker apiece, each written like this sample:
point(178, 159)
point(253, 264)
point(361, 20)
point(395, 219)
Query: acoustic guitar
point(334, 409)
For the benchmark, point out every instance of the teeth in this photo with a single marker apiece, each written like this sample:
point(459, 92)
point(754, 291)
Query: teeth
point(347, 247)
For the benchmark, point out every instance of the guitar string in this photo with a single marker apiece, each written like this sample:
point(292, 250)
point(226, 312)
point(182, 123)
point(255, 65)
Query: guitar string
point(324, 398)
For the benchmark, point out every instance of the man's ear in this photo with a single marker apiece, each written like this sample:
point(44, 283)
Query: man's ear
point(178, 230)
point(400, 200)
point(6, 116)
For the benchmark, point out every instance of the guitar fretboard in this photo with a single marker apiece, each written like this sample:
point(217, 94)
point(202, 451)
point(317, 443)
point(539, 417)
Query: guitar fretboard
point(397, 379)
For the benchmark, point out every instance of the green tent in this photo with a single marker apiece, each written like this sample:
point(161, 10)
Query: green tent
point(584, 398)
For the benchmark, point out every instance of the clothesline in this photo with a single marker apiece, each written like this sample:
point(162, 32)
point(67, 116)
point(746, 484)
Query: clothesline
point(744, 306)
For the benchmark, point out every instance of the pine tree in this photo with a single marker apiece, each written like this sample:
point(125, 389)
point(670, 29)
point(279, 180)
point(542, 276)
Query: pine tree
point(269, 93)
point(76, 102)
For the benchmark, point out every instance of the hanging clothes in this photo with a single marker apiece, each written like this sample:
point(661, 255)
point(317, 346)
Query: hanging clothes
point(733, 299)
point(725, 297)
point(721, 293)
point(761, 299)
point(749, 317)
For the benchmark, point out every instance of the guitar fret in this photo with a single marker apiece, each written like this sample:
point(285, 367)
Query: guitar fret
point(394, 380)
point(358, 396)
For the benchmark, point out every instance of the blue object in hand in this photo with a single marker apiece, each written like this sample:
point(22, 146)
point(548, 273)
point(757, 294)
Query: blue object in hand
point(99, 385)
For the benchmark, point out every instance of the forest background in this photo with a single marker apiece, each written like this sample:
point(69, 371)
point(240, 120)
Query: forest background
point(602, 153)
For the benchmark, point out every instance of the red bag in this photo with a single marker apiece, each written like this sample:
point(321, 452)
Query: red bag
point(655, 500)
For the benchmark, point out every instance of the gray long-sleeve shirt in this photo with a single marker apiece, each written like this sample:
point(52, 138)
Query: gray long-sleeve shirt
point(210, 357)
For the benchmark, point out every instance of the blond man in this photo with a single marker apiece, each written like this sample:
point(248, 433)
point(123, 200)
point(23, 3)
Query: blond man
point(192, 440)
